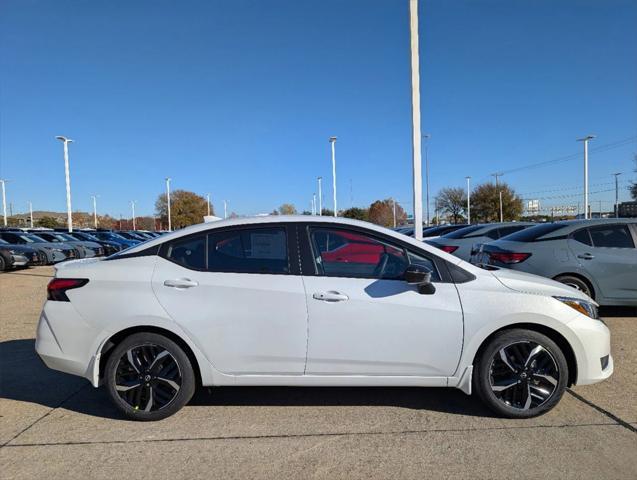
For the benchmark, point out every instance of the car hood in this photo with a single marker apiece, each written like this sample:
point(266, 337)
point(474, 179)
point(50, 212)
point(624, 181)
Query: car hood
point(529, 283)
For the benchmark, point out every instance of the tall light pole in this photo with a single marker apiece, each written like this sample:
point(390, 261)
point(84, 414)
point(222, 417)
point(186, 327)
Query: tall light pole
point(208, 200)
point(132, 205)
point(501, 216)
point(4, 203)
point(586, 139)
point(468, 200)
point(616, 195)
point(67, 174)
point(320, 190)
point(225, 209)
point(415, 118)
point(31, 213)
point(394, 212)
point(314, 204)
point(170, 226)
point(333, 142)
point(427, 136)
point(94, 197)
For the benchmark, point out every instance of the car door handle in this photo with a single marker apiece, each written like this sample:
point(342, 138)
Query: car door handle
point(330, 296)
point(181, 283)
point(586, 256)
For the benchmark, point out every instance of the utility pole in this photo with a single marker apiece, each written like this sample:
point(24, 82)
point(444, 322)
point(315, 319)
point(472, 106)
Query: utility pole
point(67, 174)
point(31, 213)
point(497, 176)
point(586, 139)
point(94, 197)
point(468, 201)
point(170, 226)
point(4, 202)
point(132, 204)
point(427, 136)
point(333, 142)
point(320, 190)
point(415, 118)
point(616, 194)
point(501, 216)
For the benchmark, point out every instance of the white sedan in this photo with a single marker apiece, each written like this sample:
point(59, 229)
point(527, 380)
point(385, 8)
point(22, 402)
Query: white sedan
point(308, 300)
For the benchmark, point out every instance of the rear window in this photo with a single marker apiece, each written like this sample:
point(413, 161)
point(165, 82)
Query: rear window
point(534, 233)
point(463, 232)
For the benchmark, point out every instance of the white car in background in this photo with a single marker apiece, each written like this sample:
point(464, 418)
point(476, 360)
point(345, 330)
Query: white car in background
point(305, 301)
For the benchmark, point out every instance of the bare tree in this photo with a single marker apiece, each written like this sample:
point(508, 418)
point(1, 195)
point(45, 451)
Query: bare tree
point(453, 202)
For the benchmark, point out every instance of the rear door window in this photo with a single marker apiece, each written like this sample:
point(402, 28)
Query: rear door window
point(612, 236)
point(258, 250)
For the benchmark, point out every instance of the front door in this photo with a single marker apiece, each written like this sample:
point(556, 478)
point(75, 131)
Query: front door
point(234, 292)
point(365, 320)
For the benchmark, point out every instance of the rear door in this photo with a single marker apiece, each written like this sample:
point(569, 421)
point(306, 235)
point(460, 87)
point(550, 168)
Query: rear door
point(607, 253)
point(364, 319)
point(238, 293)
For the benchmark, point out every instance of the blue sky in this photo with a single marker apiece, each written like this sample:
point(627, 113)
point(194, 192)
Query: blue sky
point(238, 98)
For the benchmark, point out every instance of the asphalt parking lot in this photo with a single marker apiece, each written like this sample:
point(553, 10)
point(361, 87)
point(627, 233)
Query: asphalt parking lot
point(54, 425)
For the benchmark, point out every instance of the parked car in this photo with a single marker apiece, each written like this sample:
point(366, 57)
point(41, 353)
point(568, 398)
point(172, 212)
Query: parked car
point(53, 252)
point(132, 235)
point(12, 256)
point(268, 301)
point(109, 247)
point(86, 249)
point(110, 236)
point(463, 241)
point(597, 257)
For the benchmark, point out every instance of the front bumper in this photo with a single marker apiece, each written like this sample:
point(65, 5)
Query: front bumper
point(592, 350)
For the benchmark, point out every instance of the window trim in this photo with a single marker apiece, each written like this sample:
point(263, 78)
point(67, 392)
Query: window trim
point(308, 255)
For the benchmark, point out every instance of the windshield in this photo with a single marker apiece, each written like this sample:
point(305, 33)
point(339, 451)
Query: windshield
point(533, 233)
point(65, 237)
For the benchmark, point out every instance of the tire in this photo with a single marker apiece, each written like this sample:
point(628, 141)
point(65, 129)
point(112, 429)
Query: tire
point(577, 283)
point(512, 390)
point(149, 377)
point(3, 263)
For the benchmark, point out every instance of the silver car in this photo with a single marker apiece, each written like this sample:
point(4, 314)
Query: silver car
point(597, 257)
point(464, 241)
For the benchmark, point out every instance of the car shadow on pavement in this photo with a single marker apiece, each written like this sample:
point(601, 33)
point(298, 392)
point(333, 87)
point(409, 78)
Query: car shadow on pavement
point(24, 378)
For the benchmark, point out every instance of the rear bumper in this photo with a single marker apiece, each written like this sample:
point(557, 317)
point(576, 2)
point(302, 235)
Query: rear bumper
point(65, 342)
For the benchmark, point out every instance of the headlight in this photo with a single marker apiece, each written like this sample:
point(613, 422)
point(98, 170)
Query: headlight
point(582, 306)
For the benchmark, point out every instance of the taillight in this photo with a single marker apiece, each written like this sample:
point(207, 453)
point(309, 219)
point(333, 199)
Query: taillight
point(56, 290)
point(448, 248)
point(508, 257)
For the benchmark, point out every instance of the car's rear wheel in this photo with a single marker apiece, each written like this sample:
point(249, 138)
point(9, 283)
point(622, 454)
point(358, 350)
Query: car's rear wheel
point(3, 262)
point(149, 377)
point(521, 374)
point(577, 283)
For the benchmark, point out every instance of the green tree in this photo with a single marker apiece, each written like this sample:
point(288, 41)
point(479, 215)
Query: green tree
point(381, 212)
point(326, 212)
point(485, 203)
point(186, 208)
point(356, 213)
point(453, 202)
point(48, 222)
point(287, 209)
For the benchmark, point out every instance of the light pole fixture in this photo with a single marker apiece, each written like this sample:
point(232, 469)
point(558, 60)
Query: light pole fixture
point(67, 174)
point(170, 227)
point(616, 194)
point(586, 139)
point(320, 191)
point(333, 142)
point(4, 202)
point(468, 200)
point(415, 118)
point(94, 197)
point(426, 137)
point(132, 204)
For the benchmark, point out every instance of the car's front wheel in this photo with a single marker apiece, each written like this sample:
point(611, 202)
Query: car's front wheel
point(149, 377)
point(520, 374)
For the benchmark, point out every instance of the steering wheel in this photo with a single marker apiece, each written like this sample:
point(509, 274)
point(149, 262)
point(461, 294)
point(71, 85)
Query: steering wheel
point(379, 270)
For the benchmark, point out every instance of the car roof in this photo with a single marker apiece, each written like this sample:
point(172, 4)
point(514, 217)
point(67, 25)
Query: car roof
point(572, 225)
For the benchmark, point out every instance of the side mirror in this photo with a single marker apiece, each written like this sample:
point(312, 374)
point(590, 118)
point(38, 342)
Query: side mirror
point(420, 276)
